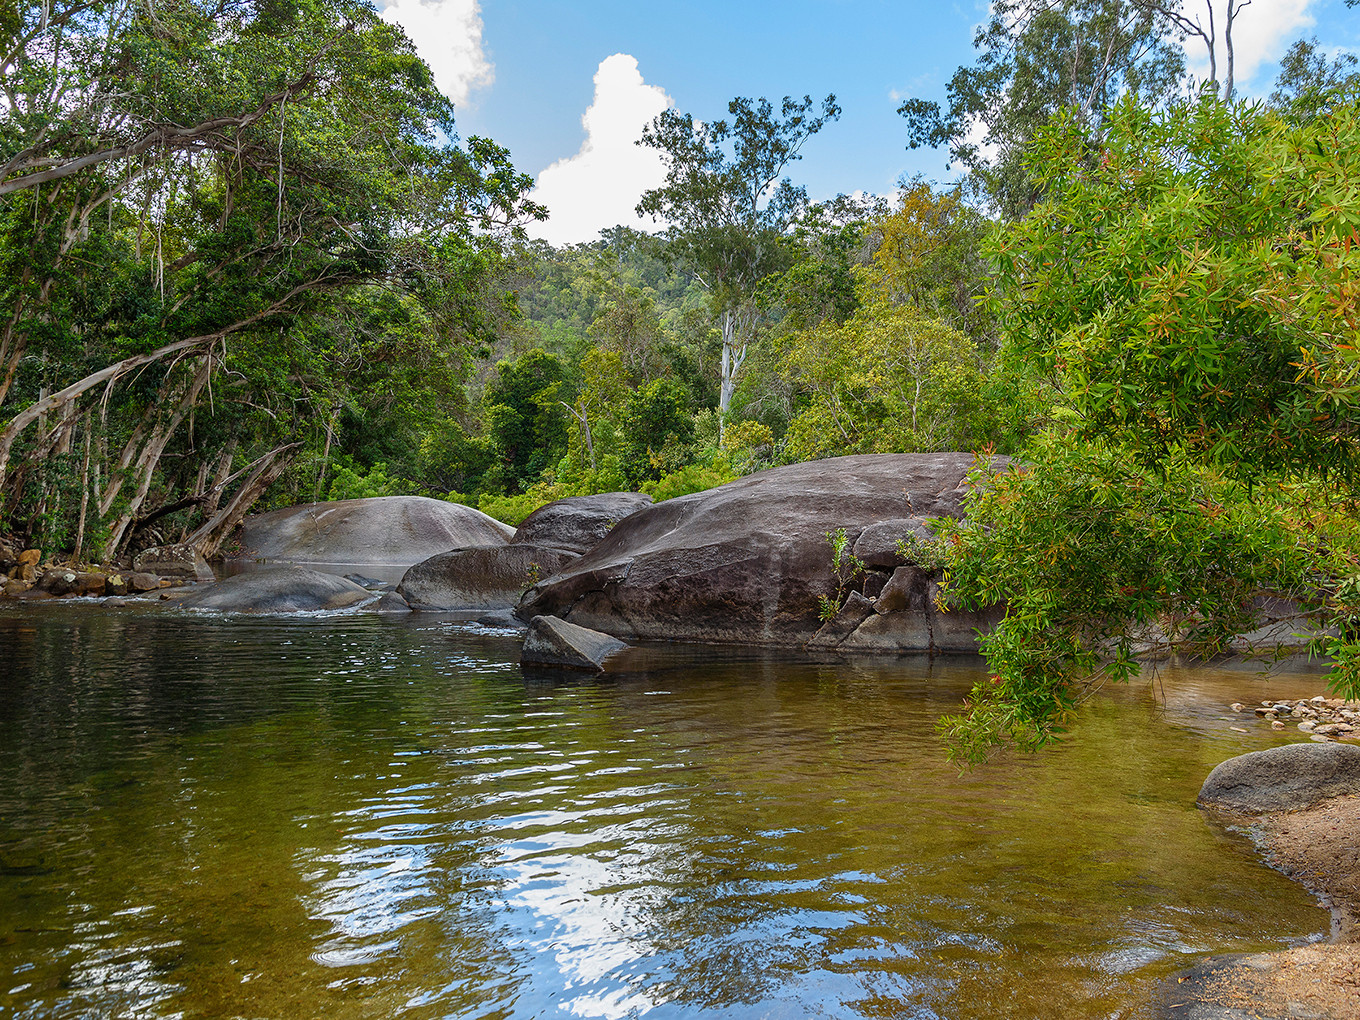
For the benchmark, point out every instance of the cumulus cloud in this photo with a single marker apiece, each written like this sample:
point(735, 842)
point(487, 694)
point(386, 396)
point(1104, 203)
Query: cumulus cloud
point(448, 36)
point(600, 185)
point(1261, 34)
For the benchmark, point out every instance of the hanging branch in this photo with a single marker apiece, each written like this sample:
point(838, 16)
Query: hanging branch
point(210, 536)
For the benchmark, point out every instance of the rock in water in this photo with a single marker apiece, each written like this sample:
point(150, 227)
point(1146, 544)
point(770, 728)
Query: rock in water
point(278, 590)
point(579, 523)
point(178, 561)
point(747, 562)
point(486, 577)
point(554, 642)
point(398, 530)
point(1283, 778)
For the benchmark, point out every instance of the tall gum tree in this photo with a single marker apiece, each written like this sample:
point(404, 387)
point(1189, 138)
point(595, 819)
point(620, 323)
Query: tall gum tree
point(727, 205)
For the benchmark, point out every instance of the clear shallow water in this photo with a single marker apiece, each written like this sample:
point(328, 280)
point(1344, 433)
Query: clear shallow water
point(367, 817)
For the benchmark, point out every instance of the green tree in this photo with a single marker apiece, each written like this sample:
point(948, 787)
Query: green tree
point(888, 380)
point(525, 416)
point(1191, 301)
point(657, 431)
point(726, 205)
point(188, 194)
point(1035, 58)
point(1309, 84)
point(929, 254)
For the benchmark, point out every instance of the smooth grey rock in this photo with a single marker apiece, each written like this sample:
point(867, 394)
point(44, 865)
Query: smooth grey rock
point(579, 523)
point(854, 612)
point(1283, 778)
point(877, 545)
point(390, 602)
point(745, 563)
point(891, 634)
point(178, 561)
point(486, 577)
point(140, 580)
point(905, 591)
point(400, 530)
point(554, 642)
point(278, 590)
point(957, 630)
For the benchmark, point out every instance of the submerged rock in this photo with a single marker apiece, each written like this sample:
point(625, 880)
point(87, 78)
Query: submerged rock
point(748, 562)
point(579, 523)
point(554, 642)
point(485, 577)
point(400, 530)
point(278, 590)
point(1283, 778)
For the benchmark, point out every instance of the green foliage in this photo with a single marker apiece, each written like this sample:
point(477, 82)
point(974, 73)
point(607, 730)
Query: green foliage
point(1191, 301)
point(271, 208)
point(1035, 60)
point(888, 380)
point(691, 478)
point(1309, 85)
point(525, 419)
point(929, 255)
point(1092, 553)
point(1195, 293)
point(656, 431)
point(349, 482)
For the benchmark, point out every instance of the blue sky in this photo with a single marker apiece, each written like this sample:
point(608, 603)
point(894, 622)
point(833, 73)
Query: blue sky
point(525, 72)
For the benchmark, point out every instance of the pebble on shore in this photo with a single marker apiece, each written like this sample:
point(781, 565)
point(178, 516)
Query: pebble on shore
point(1322, 718)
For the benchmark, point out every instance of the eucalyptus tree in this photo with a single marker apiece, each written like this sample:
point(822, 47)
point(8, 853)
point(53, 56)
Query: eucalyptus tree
point(1036, 57)
point(174, 177)
point(727, 205)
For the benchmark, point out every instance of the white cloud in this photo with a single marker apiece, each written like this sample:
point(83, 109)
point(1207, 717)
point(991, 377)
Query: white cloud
point(1261, 34)
point(448, 36)
point(600, 185)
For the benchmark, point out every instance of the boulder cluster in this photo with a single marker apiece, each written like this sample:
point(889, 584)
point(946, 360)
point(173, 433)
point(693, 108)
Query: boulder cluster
point(832, 555)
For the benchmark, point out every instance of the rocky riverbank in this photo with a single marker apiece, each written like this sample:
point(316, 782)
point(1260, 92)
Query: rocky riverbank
point(25, 574)
point(1313, 840)
point(1317, 847)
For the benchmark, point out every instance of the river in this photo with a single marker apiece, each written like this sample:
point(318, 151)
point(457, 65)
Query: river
point(366, 817)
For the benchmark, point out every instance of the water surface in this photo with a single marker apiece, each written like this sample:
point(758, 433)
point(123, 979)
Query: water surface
point(367, 817)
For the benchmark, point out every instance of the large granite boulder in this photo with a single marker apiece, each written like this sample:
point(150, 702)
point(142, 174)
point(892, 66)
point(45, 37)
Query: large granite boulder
point(1283, 778)
point(748, 562)
point(579, 523)
point(400, 530)
point(278, 590)
point(483, 577)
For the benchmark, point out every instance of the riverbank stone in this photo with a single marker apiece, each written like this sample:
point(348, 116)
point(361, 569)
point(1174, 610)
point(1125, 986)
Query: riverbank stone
point(178, 561)
point(554, 642)
point(483, 577)
point(748, 562)
point(392, 530)
point(579, 523)
point(1283, 778)
point(289, 589)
